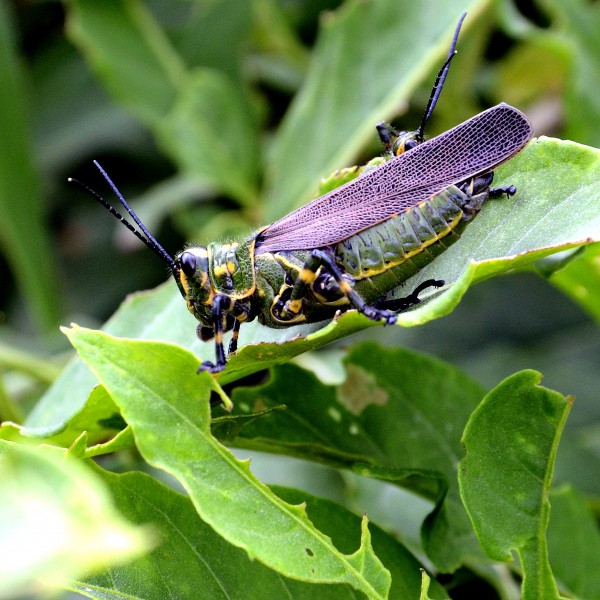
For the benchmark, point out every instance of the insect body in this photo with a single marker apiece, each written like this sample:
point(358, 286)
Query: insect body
point(349, 248)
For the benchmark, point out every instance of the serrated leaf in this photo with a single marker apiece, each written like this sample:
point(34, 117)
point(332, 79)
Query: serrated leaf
point(387, 420)
point(167, 395)
point(215, 569)
point(511, 442)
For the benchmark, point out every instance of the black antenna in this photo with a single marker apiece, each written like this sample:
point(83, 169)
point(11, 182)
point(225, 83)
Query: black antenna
point(439, 81)
point(147, 238)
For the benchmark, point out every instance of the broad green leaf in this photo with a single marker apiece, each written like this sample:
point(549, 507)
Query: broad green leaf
point(23, 237)
point(167, 396)
point(56, 522)
point(398, 417)
point(210, 134)
point(368, 59)
point(130, 53)
point(511, 442)
point(215, 569)
point(574, 543)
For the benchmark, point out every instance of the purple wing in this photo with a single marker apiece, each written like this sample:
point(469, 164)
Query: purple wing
point(476, 146)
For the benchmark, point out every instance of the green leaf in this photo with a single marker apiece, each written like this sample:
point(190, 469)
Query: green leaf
point(211, 135)
point(167, 395)
point(387, 420)
point(130, 53)
point(23, 237)
point(368, 59)
point(511, 442)
point(56, 522)
point(215, 569)
point(99, 417)
point(579, 22)
point(574, 543)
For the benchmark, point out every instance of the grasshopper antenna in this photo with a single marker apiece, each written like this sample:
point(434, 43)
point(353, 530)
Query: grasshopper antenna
point(439, 81)
point(145, 236)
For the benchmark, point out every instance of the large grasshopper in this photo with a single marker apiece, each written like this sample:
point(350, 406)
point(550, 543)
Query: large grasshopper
point(351, 247)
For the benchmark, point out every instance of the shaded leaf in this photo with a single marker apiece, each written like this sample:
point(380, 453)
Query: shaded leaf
point(130, 53)
point(23, 238)
point(514, 435)
point(574, 543)
point(398, 417)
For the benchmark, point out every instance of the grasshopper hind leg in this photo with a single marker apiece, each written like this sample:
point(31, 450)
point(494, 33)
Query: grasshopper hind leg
point(399, 304)
point(322, 259)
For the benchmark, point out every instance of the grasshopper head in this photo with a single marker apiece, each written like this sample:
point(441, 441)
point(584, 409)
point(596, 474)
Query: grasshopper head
point(191, 271)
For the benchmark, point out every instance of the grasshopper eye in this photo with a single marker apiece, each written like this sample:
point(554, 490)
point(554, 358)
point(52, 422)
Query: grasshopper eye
point(409, 144)
point(188, 263)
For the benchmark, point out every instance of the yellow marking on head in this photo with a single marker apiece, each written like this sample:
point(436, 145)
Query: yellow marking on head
point(203, 277)
point(231, 267)
point(185, 284)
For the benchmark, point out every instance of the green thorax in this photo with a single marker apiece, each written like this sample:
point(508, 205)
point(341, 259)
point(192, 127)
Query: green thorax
point(232, 268)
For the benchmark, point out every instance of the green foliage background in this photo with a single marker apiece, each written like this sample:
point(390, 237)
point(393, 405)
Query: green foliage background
point(217, 117)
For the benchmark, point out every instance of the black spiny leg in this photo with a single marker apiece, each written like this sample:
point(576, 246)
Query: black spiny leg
point(220, 304)
point(509, 190)
point(400, 304)
point(234, 337)
point(307, 276)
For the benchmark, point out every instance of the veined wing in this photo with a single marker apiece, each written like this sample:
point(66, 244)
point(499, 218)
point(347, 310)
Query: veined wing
point(476, 146)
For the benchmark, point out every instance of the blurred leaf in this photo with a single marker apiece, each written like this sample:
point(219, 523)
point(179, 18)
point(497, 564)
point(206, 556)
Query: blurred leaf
point(130, 53)
point(574, 543)
point(223, 490)
point(579, 22)
point(368, 59)
point(580, 280)
point(511, 442)
point(73, 115)
point(210, 134)
point(56, 522)
point(23, 236)
point(215, 35)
